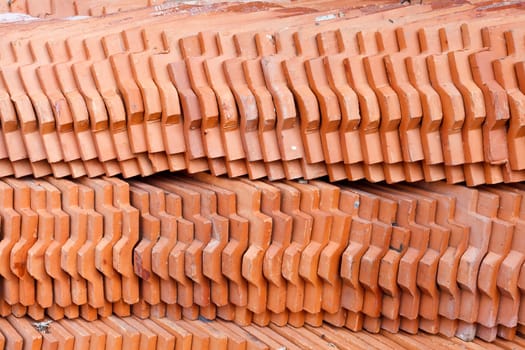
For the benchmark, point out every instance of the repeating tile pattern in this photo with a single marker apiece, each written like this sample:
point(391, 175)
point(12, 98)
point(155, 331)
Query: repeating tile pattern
point(323, 150)
point(441, 258)
point(169, 334)
point(380, 92)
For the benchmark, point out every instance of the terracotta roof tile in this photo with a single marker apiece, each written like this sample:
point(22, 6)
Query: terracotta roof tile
point(287, 97)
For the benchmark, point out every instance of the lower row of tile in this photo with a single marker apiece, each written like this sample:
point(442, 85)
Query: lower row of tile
point(117, 333)
point(441, 258)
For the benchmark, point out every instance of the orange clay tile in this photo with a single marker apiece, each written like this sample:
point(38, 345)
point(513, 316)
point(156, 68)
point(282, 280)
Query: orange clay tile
point(32, 339)
point(112, 230)
point(287, 126)
point(194, 57)
point(142, 253)
point(193, 263)
point(96, 110)
point(11, 220)
point(142, 44)
point(428, 265)
point(35, 255)
point(213, 251)
point(123, 248)
point(418, 243)
point(371, 260)
point(130, 336)
point(64, 120)
point(103, 77)
point(453, 115)
point(41, 105)
point(253, 75)
point(193, 118)
point(369, 106)
point(330, 256)
point(465, 282)
point(176, 260)
point(183, 337)
point(484, 75)
point(506, 77)
point(131, 95)
point(63, 59)
point(387, 99)
point(348, 104)
point(28, 236)
point(410, 106)
point(165, 243)
point(22, 104)
point(233, 251)
point(309, 262)
point(389, 274)
point(511, 204)
point(359, 240)
point(301, 232)
point(259, 237)
point(470, 261)
point(86, 254)
point(228, 115)
point(281, 236)
point(248, 116)
point(308, 108)
point(499, 247)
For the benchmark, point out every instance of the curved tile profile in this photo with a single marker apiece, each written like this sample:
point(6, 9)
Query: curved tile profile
point(433, 257)
point(286, 90)
point(287, 105)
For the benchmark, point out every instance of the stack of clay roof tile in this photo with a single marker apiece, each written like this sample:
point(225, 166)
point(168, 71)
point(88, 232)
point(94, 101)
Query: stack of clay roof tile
point(165, 334)
point(277, 94)
point(435, 257)
point(383, 92)
point(71, 8)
